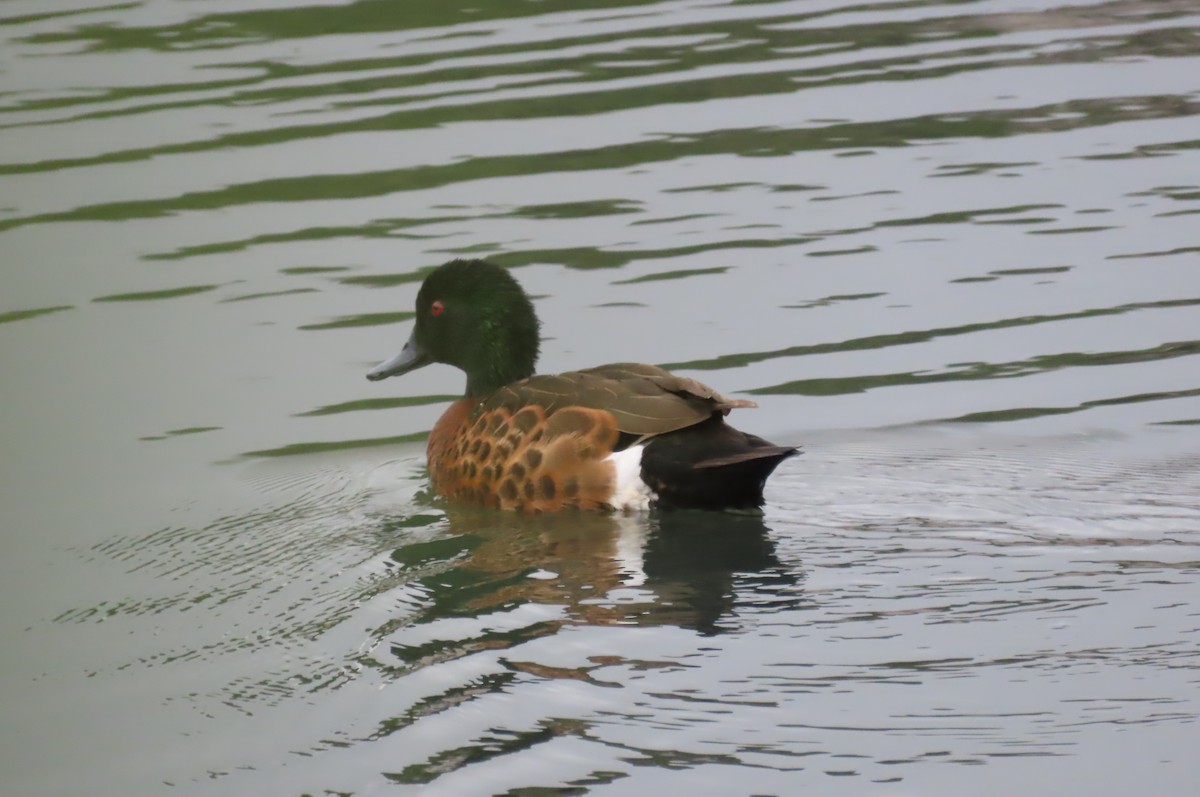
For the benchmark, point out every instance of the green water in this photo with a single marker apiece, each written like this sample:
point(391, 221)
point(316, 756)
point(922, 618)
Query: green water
point(949, 248)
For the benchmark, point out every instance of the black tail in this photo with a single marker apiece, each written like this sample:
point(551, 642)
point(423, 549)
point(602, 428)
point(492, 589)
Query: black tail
point(710, 466)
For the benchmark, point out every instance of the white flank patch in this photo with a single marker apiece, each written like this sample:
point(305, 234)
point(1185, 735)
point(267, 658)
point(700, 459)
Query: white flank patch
point(631, 493)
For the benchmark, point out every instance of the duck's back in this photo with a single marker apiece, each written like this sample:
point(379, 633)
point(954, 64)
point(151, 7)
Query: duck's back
point(623, 436)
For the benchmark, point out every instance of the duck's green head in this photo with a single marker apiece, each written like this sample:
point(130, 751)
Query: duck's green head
point(473, 315)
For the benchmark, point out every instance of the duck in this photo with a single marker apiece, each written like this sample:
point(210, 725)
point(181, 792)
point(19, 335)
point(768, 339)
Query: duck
point(617, 437)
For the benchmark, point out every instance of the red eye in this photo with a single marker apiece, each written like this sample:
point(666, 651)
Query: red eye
point(437, 308)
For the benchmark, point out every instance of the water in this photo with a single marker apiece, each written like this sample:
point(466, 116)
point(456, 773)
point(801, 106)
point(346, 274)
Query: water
point(949, 248)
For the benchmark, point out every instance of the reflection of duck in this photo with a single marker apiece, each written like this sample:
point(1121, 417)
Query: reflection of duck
point(683, 569)
point(624, 436)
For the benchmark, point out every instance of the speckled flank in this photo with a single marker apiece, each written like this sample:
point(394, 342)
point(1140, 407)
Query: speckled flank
point(524, 461)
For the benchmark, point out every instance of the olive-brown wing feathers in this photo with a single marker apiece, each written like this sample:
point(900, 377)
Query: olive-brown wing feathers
point(644, 399)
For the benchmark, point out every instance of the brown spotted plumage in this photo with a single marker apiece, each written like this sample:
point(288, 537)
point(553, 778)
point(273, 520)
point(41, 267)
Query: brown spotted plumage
point(491, 456)
point(547, 442)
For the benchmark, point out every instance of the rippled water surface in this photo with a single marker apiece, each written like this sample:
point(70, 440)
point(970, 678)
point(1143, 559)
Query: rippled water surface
point(951, 249)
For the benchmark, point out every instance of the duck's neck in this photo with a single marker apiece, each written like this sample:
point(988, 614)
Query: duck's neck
point(488, 377)
point(505, 348)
